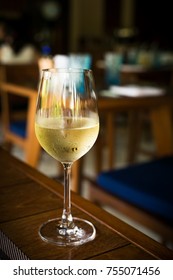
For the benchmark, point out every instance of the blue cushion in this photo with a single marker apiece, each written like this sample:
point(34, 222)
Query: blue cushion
point(146, 185)
point(19, 128)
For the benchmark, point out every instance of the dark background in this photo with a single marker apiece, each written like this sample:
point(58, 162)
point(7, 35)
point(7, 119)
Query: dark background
point(152, 19)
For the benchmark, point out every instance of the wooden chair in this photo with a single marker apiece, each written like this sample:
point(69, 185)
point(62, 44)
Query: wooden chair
point(143, 192)
point(18, 123)
point(18, 127)
point(109, 188)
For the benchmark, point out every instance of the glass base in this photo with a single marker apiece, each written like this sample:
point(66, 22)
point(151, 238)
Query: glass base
point(82, 231)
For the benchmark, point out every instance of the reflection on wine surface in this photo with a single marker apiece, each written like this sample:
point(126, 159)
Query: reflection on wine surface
point(67, 126)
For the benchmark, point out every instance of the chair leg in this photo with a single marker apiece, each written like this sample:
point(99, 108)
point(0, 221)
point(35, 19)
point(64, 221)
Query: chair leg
point(33, 153)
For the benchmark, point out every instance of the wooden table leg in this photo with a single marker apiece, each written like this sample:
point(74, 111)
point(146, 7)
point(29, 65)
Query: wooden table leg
point(161, 120)
point(106, 139)
point(98, 150)
point(134, 134)
point(110, 128)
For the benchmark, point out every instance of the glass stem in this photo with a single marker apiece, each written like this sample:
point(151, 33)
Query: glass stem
point(67, 219)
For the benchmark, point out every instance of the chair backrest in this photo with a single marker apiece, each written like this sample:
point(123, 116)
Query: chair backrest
point(25, 74)
point(18, 123)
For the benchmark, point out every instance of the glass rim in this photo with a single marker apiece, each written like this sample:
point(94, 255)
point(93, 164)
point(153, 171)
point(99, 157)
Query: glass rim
point(66, 70)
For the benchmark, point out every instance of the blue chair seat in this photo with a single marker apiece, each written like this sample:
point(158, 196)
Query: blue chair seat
point(19, 128)
point(146, 185)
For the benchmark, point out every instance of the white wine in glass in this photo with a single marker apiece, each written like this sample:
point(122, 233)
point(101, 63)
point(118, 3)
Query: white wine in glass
point(67, 126)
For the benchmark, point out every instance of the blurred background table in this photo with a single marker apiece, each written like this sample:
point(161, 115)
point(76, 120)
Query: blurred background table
point(159, 110)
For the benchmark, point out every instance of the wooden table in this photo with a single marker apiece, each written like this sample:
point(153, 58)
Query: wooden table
point(159, 108)
point(28, 198)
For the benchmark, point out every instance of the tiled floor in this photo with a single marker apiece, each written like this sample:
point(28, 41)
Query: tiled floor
point(49, 166)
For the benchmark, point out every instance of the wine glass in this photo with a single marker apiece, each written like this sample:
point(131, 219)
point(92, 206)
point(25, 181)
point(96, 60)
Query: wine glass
point(67, 126)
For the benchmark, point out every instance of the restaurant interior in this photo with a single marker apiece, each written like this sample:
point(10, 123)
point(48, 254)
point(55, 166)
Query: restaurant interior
point(129, 47)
